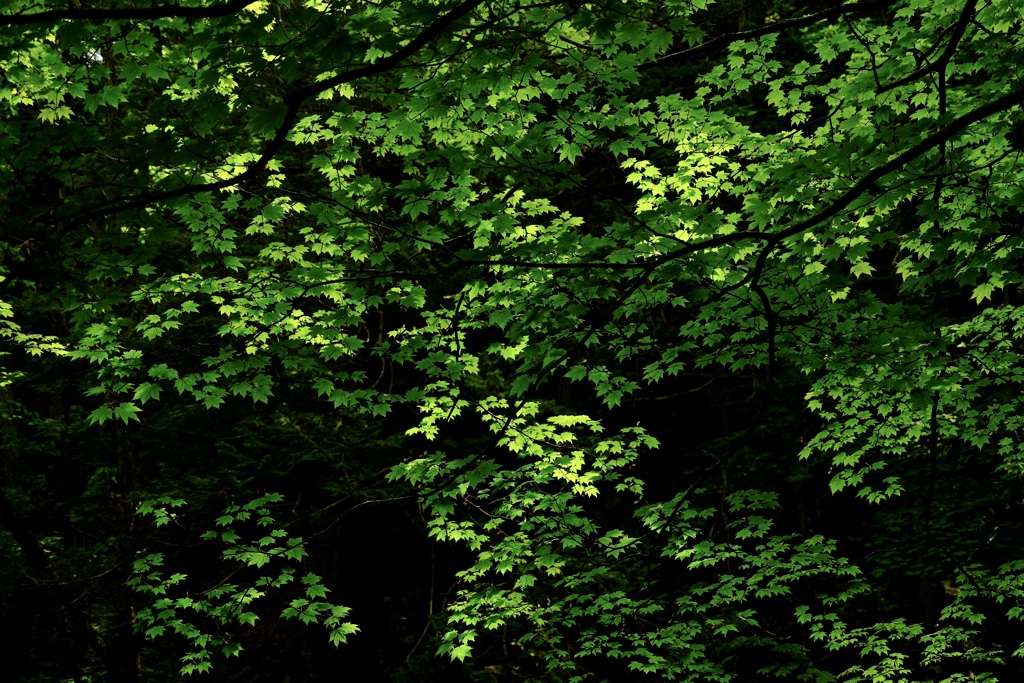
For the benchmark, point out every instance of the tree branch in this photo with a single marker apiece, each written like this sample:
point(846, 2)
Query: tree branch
point(293, 102)
point(966, 15)
point(940, 137)
point(173, 11)
point(777, 27)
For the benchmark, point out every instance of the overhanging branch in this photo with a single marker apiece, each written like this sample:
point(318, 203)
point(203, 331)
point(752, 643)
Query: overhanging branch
point(773, 239)
point(173, 11)
point(939, 138)
point(966, 15)
point(293, 102)
point(777, 27)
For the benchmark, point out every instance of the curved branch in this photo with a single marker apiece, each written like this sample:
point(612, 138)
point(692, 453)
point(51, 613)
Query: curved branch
point(966, 16)
point(939, 139)
point(293, 102)
point(777, 27)
point(772, 240)
point(943, 135)
point(174, 11)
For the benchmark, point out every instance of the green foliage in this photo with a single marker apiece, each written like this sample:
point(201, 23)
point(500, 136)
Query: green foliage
point(696, 326)
point(206, 618)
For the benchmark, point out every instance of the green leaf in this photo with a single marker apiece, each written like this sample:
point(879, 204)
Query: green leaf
point(126, 412)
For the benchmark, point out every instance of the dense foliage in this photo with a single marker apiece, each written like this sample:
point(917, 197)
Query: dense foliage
point(661, 340)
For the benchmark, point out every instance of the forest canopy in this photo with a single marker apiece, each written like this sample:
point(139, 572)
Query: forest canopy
point(498, 340)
